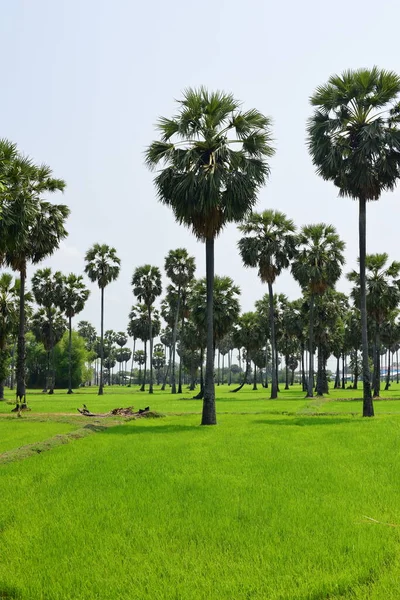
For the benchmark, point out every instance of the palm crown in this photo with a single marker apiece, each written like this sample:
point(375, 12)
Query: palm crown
point(102, 264)
point(269, 243)
point(318, 264)
point(353, 135)
point(215, 160)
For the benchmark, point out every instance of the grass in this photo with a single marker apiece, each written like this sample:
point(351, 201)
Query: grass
point(291, 499)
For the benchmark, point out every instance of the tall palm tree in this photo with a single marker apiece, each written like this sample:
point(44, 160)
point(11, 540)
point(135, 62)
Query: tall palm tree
point(383, 297)
point(30, 229)
point(180, 268)
point(354, 140)
point(317, 267)
point(44, 286)
point(146, 282)
point(72, 295)
point(270, 245)
point(102, 267)
point(215, 161)
point(8, 322)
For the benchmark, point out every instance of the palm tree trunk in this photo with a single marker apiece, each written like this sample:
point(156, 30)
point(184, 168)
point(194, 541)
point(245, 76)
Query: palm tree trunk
point(274, 378)
point(303, 373)
point(174, 336)
point(355, 384)
point(377, 386)
point(337, 378)
point(320, 391)
point(343, 372)
point(21, 390)
point(133, 354)
point(69, 355)
point(180, 358)
point(209, 416)
point(255, 377)
point(229, 366)
point(13, 364)
point(397, 367)
point(52, 365)
point(167, 371)
point(368, 407)
point(223, 368)
point(388, 374)
point(310, 391)
point(101, 343)
point(246, 374)
point(151, 352)
point(286, 373)
point(219, 370)
point(143, 386)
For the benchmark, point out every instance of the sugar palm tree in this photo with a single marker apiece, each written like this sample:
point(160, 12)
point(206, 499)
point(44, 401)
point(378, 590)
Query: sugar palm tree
point(146, 282)
point(30, 229)
point(180, 268)
point(120, 339)
point(383, 297)
point(269, 243)
point(48, 329)
point(44, 286)
point(214, 160)
point(354, 140)
point(72, 295)
point(102, 267)
point(317, 267)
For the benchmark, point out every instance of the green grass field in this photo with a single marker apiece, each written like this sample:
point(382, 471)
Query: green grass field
point(290, 499)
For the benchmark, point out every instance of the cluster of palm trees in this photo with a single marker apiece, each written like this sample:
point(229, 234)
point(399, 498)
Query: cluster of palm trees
point(212, 160)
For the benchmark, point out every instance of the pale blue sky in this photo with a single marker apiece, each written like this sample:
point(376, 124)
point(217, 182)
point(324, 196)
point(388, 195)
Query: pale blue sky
point(83, 82)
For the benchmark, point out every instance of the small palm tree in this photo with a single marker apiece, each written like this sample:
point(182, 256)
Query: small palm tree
point(146, 282)
point(102, 267)
point(354, 141)
point(30, 229)
point(270, 245)
point(72, 295)
point(215, 161)
point(49, 330)
point(180, 268)
point(317, 267)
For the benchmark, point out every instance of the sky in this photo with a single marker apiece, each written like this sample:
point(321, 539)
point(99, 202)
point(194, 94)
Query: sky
point(84, 82)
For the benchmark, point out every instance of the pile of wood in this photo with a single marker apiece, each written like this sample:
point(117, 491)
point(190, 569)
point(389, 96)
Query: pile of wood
point(119, 412)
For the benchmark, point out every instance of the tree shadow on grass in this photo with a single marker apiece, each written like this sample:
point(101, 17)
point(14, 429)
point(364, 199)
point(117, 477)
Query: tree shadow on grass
point(305, 421)
point(150, 429)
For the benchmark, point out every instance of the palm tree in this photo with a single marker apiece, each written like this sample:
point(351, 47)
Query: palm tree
point(48, 328)
point(317, 267)
point(30, 229)
point(249, 335)
point(120, 339)
point(215, 161)
point(383, 297)
point(44, 288)
point(355, 142)
point(180, 268)
point(72, 295)
point(102, 267)
point(146, 282)
point(8, 322)
point(226, 308)
point(270, 245)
